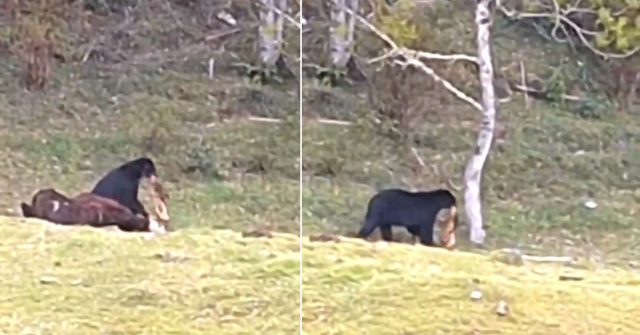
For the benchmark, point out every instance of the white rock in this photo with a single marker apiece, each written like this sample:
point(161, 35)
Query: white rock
point(502, 309)
point(476, 295)
point(48, 280)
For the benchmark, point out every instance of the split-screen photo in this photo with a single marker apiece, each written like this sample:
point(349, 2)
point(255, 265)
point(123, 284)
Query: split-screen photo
point(319, 167)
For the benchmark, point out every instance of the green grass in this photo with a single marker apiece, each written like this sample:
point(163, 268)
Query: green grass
point(155, 99)
point(220, 173)
point(548, 159)
point(534, 186)
point(357, 287)
point(234, 195)
point(80, 280)
point(224, 174)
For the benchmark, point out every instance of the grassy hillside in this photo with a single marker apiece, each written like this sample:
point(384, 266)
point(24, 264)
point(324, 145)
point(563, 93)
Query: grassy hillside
point(61, 280)
point(135, 82)
point(354, 287)
point(130, 79)
point(547, 160)
point(535, 184)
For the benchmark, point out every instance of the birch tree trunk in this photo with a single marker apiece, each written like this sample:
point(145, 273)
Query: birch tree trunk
point(473, 172)
point(271, 30)
point(343, 24)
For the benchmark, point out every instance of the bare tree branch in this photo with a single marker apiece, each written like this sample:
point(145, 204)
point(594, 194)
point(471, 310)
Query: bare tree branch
point(413, 58)
point(288, 17)
point(445, 83)
point(409, 53)
point(560, 17)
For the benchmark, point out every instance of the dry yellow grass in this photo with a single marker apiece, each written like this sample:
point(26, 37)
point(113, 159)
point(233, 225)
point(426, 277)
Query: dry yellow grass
point(357, 287)
point(62, 280)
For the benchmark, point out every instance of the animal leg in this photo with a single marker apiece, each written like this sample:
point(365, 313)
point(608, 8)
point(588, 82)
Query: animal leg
point(368, 228)
point(414, 239)
point(27, 211)
point(134, 224)
point(415, 233)
point(426, 233)
point(139, 209)
point(385, 232)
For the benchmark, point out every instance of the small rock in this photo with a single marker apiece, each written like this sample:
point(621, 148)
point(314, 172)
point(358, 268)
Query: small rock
point(590, 204)
point(48, 280)
point(476, 295)
point(502, 309)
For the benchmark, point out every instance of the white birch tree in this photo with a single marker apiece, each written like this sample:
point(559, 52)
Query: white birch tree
point(482, 147)
point(271, 30)
point(473, 172)
point(343, 23)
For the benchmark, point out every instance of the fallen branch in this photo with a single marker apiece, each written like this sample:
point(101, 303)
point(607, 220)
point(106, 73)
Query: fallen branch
point(543, 94)
point(519, 256)
point(264, 119)
point(218, 35)
point(334, 122)
point(547, 259)
point(515, 256)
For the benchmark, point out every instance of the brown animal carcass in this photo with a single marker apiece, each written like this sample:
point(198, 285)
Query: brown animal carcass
point(92, 210)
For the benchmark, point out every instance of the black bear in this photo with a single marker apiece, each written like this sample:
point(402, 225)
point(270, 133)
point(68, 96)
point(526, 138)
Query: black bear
point(416, 211)
point(121, 184)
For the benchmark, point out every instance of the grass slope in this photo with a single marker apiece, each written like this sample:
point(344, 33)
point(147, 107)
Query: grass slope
point(61, 280)
point(356, 287)
point(535, 182)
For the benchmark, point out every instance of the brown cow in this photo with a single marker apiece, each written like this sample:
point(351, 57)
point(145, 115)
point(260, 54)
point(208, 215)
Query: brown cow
point(92, 210)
